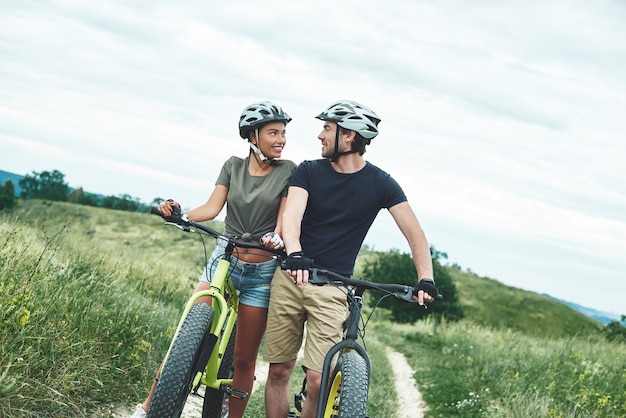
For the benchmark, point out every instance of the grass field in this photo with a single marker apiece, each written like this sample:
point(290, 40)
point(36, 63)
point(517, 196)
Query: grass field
point(89, 298)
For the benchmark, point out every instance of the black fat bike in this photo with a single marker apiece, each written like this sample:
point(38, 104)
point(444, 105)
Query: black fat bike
point(345, 386)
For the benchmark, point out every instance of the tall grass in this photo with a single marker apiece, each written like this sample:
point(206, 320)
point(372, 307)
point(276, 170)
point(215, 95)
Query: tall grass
point(82, 324)
point(466, 370)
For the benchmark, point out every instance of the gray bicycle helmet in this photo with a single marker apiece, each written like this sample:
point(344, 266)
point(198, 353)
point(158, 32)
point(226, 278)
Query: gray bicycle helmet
point(353, 116)
point(258, 114)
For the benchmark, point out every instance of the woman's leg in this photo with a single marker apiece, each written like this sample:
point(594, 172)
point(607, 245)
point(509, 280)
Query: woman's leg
point(250, 329)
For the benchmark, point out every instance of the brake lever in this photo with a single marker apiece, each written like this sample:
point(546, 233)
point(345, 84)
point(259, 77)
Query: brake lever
point(406, 295)
point(185, 228)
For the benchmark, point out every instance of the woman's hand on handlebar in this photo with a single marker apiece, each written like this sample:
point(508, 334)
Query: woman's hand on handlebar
point(273, 241)
point(166, 207)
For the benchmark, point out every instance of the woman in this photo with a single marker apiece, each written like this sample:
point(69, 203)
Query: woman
point(254, 190)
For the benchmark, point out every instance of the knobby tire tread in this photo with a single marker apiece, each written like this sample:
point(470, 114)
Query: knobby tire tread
point(353, 373)
point(178, 371)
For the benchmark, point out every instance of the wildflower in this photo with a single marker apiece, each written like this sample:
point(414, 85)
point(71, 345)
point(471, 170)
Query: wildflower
point(23, 318)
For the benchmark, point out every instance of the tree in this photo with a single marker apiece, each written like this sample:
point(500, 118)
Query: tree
point(7, 195)
point(615, 331)
point(44, 185)
point(83, 198)
point(396, 267)
point(122, 202)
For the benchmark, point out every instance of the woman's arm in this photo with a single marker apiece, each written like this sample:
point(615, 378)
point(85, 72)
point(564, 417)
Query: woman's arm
point(212, 207)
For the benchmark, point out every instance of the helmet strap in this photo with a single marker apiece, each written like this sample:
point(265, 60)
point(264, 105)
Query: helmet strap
point(256, 149)
point(336, 153)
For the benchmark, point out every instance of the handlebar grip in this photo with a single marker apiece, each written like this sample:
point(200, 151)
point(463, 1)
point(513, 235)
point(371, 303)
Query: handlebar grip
point(175, 217)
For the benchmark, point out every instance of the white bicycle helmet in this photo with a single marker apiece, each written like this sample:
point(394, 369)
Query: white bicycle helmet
point(353, 116)
point(258, 114)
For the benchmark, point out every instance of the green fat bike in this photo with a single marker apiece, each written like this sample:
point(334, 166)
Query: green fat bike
point(201, 352)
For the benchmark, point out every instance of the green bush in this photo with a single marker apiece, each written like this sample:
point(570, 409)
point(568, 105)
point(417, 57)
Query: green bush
point(615, 331)
point(7, 195)
point(396, 267)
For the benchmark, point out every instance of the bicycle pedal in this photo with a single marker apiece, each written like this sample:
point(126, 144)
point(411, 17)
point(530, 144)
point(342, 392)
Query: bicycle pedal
point(237, 394)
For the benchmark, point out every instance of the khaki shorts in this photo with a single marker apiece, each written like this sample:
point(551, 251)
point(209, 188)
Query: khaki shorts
point(323, 308)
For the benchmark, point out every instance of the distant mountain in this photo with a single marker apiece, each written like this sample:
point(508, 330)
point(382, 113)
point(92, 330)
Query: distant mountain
point(15, 178)
point(600, 316)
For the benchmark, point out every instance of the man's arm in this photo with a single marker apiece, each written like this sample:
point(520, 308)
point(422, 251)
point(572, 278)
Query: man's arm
point(295, 206)
point(406, 220)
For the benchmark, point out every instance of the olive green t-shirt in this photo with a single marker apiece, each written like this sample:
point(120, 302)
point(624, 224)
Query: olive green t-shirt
point(252, 202)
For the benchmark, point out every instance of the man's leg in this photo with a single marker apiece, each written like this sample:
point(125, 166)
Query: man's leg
point(277, 389)
point(313, 382)
point(326, 312)
point(283, 338)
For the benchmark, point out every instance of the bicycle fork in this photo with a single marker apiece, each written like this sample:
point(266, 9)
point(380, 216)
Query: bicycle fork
point(348, 343)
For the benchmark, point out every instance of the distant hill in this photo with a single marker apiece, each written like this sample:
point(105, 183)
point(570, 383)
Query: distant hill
point(602, 317)
point(488, 302)
point(15, 178)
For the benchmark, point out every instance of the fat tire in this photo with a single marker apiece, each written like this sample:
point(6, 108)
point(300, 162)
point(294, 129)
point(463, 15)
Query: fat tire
point(215, 400)
point(348, 387)
point(176, 380)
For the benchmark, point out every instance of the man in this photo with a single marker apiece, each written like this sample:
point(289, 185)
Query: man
point(331, 204)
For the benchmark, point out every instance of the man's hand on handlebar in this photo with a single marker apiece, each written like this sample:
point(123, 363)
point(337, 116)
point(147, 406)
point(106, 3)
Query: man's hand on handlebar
point(297, 266)
point(426, 291)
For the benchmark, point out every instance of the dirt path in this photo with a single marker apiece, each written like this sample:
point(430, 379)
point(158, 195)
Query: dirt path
point(410, 402)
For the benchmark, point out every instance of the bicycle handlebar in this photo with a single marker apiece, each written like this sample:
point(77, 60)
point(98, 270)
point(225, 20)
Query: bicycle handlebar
point(180, 220)
point(322, 276)
point(318, 276)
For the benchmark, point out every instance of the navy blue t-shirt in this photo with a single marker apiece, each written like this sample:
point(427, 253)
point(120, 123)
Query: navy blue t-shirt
point(340, 210)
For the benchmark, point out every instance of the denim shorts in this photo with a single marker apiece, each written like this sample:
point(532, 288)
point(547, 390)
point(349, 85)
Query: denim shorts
point(252, 280)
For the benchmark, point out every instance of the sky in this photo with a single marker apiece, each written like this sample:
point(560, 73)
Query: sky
point(503, 121)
